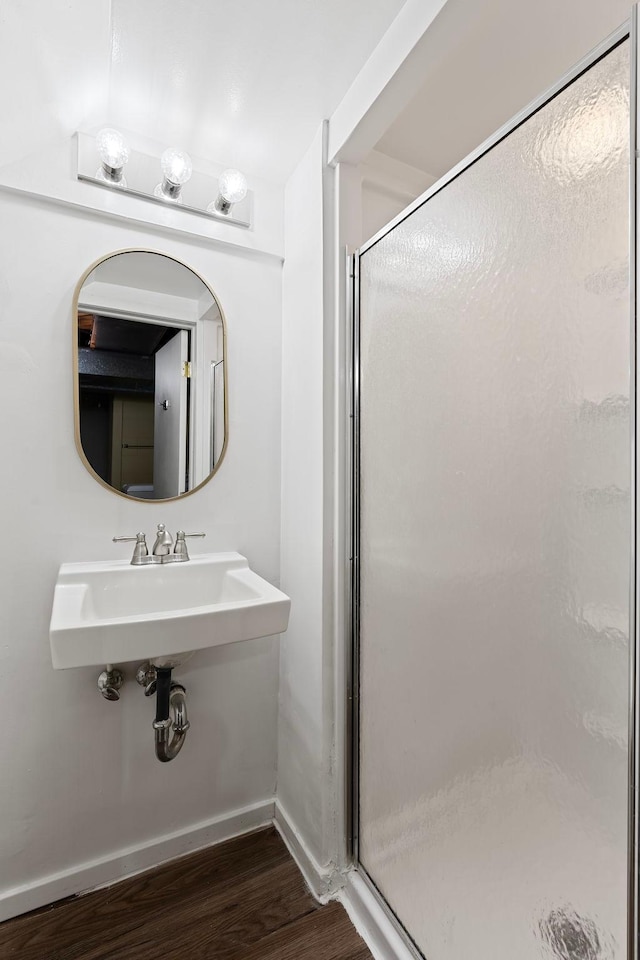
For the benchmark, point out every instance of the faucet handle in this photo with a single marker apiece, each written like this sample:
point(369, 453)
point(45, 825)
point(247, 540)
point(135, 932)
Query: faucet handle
point(140, 551)
point(180, 551)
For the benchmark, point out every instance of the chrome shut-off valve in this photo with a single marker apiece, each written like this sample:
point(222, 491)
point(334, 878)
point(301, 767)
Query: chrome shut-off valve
point(146, 677)
point(109, 683)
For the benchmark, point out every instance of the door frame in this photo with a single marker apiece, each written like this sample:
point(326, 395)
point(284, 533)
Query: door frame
point(195, 351)
point(628, 30)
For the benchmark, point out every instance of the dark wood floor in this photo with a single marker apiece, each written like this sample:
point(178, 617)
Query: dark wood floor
point(242, 899)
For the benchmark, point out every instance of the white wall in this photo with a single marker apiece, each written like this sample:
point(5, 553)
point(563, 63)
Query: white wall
point(324, 211)
point(301, 753)
point(388, 186)
point(80, 780)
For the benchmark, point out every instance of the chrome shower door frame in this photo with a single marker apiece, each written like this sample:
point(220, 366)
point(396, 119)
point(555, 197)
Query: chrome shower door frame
point(629, 31)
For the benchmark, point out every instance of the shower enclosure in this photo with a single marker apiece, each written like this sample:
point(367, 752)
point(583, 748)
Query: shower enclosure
point(494, 385)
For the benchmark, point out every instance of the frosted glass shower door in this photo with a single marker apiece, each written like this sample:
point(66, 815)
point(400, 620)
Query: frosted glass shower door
point(494, 511)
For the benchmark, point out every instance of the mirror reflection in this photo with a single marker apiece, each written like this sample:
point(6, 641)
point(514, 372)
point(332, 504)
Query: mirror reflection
point(150, 347)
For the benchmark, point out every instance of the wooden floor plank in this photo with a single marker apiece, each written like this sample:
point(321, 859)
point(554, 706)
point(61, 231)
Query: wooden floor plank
point(327, 934)
point(229, 921)
point(241, 899)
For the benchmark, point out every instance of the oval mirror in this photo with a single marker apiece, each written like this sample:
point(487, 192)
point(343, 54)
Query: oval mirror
point(149, 342)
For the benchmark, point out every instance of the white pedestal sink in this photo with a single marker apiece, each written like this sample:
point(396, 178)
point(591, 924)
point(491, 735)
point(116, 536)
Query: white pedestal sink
point(112, 612)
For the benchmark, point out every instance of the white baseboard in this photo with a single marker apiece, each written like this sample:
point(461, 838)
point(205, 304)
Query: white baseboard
point(324, 882)
point(133, 859)
point(371, 921)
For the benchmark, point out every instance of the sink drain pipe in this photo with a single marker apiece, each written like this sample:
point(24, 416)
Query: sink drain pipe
point(170, 696)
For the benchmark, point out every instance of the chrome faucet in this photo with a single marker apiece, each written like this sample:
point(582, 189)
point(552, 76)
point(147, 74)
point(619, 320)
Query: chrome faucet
point(164, 543)
point(164, 550)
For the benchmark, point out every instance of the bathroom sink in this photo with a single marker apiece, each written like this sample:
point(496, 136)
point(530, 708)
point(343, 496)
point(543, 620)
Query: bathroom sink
point(113, 612)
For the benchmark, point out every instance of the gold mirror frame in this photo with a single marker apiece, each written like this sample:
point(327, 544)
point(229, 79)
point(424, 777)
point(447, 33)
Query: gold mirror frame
point(76, 375)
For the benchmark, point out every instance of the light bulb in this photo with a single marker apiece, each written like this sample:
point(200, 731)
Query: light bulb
point(176, 170)
point(233, 188)
point(114, 153)
point(176, 166)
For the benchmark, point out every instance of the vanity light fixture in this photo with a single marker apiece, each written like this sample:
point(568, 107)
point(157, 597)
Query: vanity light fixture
point(232, 187)
point(113, 153)
point(176, 170)
point(185, 185)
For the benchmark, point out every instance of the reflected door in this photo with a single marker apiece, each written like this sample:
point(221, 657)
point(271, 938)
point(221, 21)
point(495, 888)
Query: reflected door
point(131, 441)
point(170, 434)
point(494, 543)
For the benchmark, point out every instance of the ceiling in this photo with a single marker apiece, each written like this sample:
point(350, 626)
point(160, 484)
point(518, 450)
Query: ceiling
point(246, 82)
point(510, 52)
point(241, 82)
